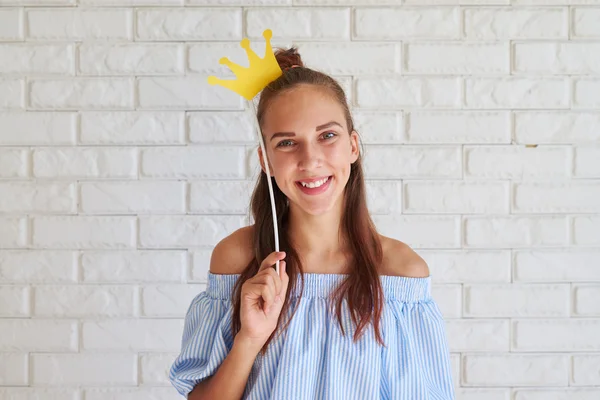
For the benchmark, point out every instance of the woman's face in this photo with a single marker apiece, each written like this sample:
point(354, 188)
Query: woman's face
point(307, 139)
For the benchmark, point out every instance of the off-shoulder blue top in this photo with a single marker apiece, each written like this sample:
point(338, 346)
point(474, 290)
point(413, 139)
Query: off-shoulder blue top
point(312, 359)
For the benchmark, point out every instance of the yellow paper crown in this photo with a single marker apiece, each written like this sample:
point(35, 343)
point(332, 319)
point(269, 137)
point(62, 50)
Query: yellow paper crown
point(250, 81)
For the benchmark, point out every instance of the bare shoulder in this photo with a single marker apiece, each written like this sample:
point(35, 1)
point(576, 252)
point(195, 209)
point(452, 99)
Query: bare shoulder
point(400, 260)
point(233, 253)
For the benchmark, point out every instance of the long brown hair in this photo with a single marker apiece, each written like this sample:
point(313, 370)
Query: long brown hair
point(362, 288)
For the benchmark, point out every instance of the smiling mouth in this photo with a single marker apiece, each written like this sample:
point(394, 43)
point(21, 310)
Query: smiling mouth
point(315, 183)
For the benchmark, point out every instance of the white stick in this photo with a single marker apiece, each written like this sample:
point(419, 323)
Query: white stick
point(264, 152)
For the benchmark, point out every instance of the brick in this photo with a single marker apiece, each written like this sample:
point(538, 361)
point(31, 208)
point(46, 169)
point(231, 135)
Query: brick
point(38, 393)
point(557, 58)
point(84, 301)
point(14, 301)
point(469, 266)
point(168, 300)
point(14, 163)
point(138, 197)
point(202, 57)
point(200, 266)
point(136, 393)
point(585, 230)
point(556, 335)
point(456, 58)
point(407, 92)
point(38, 335)
point(221, 127)
point(352, 58)
point(379, 127)
point(517, 300)
point(513, 23)
point(79, 24)
point(513, 92)
point(462, 2)
point(586, 302)
point(39, 128)
point(516, 162)
point(553, 2)
point(186, 231)
point(118, 3)
point(14, 369)
point(384, 197)
point(132, 335)
point(14, 232)
point(458, 127)
point(11, 24)
point(549, 266)
point(75, 369)
point(487, 394)
point(299, 23)
point(12, 94)
point(36, 59)
point(586, 369)
point(571, 197)
point(428, 197)
point(79, 232)
point(37, 197)
point(467, 335)
point(131, 59)
point(400, 162)
point(32, 266)
point(553, 394)
point(516, 370)
point(586, 22)
point(82, 162)
point(132, 266)
point(37, 2)
point(421, 231)
point(154, 368)
point(455, 364)
point(398, 23)
point(330, 2)
point(215, 162)
point(220, 197)
point(586, 93)
point(519, 232)
point(189, 24)
point(557, 127)
point(184, 93)
point(132, 127)
point(81, 93)
point(449, 299)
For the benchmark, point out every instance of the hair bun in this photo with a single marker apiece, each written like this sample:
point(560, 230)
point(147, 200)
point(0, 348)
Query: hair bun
point(287, 58)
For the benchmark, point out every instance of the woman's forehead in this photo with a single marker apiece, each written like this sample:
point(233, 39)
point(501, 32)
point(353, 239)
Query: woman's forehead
point(302, 109)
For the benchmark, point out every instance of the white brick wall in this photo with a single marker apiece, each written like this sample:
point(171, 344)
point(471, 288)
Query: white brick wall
point(120, 169)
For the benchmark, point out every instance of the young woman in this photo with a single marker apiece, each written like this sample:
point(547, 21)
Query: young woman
point(350, 314)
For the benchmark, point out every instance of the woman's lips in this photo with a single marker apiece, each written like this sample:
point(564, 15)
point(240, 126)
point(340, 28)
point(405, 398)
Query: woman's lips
point(316, 190)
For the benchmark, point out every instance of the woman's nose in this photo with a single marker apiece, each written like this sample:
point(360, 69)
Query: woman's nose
point(310, 157)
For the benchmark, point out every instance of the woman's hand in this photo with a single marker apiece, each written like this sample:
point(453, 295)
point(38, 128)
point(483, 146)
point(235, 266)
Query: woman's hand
point(262, 300)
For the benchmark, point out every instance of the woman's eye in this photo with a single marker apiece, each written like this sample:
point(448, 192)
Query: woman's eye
point(283, 143)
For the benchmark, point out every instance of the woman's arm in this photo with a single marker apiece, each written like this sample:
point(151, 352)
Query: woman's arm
point(231, 377)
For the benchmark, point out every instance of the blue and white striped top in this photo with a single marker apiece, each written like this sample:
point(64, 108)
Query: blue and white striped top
point(312, 359)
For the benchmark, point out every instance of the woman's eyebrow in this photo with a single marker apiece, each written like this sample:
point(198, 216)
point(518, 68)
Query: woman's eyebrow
point(318, 128)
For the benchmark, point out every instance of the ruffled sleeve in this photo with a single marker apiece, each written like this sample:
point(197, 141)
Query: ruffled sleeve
point(419, 351)
point(207, 338)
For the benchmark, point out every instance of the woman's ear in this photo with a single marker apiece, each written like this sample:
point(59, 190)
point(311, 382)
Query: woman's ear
point(355, 150)
point(262, 161)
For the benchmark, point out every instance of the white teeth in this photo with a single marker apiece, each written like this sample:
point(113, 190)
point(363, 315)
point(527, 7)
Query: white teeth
point(314, 184)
